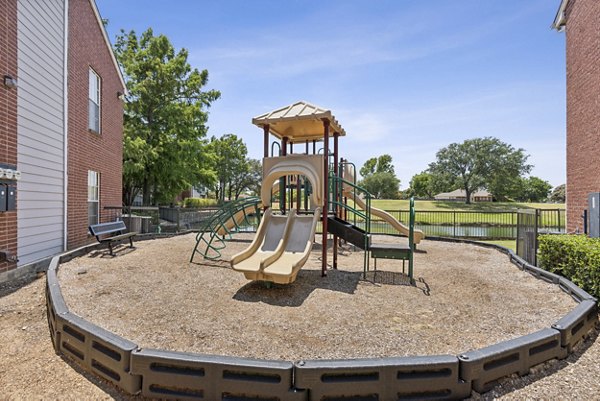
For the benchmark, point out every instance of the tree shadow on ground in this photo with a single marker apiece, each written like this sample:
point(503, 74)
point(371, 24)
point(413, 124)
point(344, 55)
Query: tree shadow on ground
point(513, 383)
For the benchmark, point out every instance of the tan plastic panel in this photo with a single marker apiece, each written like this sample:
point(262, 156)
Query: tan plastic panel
point(310, 166)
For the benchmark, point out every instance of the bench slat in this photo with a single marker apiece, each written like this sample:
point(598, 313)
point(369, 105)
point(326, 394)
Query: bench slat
point(107, 228)
point(117, 237)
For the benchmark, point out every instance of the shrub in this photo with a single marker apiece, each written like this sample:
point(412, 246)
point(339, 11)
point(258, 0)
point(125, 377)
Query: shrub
point(199, 202)
point(575, 257)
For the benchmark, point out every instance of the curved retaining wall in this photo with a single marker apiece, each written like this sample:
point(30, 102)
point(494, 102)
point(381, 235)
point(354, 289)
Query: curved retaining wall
point(166, 374)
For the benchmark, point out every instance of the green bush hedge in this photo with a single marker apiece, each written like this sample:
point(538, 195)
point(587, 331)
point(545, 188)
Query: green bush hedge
point(199, 202)
point(575, 257)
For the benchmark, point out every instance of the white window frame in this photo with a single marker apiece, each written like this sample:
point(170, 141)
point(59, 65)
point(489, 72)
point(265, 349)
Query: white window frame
point(93, 196)
point(94, 97)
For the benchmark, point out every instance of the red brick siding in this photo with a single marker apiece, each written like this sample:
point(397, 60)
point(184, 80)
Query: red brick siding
point(583, 107)
point(8, 119)
point(87, 150)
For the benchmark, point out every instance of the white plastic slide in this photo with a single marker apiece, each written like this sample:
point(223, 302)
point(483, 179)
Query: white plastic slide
point(280, 248)
point(382, 214)
point(267, 245)
point(300, 238)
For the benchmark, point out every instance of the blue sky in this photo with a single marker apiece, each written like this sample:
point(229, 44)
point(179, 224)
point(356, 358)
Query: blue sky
point(402, 77)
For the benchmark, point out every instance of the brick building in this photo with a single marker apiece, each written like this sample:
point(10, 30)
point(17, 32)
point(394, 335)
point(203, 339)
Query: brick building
point(580, 20)
point(61, 127)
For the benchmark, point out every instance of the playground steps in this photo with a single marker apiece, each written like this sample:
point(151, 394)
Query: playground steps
point(348, 232)
point(390, 251)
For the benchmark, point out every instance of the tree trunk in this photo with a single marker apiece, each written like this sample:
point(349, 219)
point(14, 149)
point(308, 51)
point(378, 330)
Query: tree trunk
point(468, 193)
point(146, 192)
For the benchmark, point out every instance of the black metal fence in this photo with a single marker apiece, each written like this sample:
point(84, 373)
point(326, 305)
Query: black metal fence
point(442, 223)
point(470, 224)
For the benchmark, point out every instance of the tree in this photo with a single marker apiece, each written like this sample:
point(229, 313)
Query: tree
point(382, 185)
point(229, 164)
point(421, 185)
point(480, 163)
point(379, 177)
point(164, 151)
point(249, 179)
point(535, 189)
point(382, 164)
point(558, 195)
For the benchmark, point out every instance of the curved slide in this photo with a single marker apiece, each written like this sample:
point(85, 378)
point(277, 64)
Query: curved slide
point(382, 214)
point(237, 219)
point(280, 248)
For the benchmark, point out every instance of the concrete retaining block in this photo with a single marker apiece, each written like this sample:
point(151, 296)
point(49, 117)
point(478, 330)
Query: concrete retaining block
point(99, 351)
point(576, 324)
point(485, 366)
point(426, 377)
point(186, 376)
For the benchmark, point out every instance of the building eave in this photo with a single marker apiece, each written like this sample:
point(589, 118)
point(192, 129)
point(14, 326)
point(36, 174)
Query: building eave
point(560, 19)
point(108, 44)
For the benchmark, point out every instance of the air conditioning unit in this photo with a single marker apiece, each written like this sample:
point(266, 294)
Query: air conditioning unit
point(594, 214)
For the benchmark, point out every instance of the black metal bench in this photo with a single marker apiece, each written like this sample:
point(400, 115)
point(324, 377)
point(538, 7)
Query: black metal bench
point(111, 232)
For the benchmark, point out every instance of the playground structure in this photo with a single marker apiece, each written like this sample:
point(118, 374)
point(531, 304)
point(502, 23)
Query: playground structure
point(183, 375)
point(280, 249)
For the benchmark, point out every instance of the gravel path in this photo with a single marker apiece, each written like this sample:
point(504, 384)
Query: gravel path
point(162, 301)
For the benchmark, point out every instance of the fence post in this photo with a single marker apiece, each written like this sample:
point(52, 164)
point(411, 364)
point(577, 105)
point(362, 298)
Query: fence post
point(558, 219)
point(177, 217)
point(535, 248)
point(454, 223)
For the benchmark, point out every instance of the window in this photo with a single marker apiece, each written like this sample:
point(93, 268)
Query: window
point(94, 102)
point(93, 197)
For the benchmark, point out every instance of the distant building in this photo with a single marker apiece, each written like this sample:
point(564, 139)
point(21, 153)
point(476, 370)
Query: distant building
point(580, 20)
point(459, 195)
point(61, 126)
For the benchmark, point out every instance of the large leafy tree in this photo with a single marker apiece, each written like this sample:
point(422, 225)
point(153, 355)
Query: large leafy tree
point(164, 150)
point(558, 194)
point(481, 163)
point(230, 165)
point(382, 185)
point(422, 185)
point(379, 177)
point(250, 180)
point(534, 189)
point(381, 164)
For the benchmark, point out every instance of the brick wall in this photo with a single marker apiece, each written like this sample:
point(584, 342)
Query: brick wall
point(8, 119)
point(87, 150)
point(583, 106)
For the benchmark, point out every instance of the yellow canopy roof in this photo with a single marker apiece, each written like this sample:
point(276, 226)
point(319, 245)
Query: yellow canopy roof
point(299, 122)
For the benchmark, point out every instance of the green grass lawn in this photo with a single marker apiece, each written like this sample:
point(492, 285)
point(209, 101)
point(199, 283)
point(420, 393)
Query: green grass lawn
point(393, 204)
point(509, 243)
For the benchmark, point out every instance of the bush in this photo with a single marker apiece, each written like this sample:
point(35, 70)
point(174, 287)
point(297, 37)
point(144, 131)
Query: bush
point(575, 257)
point(199, 202)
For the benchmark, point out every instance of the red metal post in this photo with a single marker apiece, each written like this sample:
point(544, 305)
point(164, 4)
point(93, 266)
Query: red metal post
point(325, 194)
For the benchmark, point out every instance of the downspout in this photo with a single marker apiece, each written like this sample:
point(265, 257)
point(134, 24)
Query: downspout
point(65, 120)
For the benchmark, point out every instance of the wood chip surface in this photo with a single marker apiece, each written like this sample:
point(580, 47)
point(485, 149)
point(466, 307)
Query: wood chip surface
point(466, 297)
